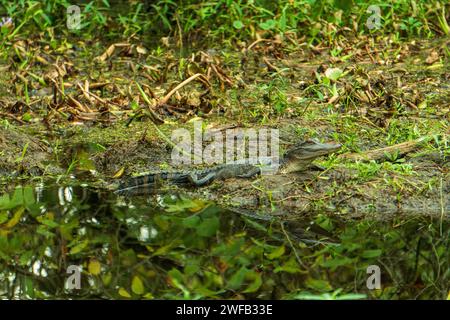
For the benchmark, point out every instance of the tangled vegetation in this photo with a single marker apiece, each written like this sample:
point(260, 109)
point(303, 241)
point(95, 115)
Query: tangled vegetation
point(84, 107)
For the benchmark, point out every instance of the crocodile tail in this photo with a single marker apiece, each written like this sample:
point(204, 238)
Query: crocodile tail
point(136, 185)
point(146, 184)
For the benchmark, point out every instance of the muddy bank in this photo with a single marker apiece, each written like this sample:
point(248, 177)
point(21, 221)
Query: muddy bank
point(22, 153)
point(419, 185)
point(102, 132)
point(337, 192)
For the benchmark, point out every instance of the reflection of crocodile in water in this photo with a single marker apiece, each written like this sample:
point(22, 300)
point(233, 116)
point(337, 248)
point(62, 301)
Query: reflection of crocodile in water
point(296, 159)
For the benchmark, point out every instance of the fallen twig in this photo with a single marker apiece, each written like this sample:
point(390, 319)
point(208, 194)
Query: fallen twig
point(256, 42)
point(178, 87)
point(376, 154)
point(4, 114)
point(271, 66)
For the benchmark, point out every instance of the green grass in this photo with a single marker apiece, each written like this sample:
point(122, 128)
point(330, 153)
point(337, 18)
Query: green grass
point(238, 20)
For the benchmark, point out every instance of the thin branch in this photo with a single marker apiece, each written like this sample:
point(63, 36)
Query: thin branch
point(178, 87)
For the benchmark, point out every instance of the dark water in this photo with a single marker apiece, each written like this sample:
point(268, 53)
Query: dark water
point(169, 246)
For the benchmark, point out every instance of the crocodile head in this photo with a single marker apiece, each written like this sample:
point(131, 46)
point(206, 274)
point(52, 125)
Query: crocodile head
point(302, 154)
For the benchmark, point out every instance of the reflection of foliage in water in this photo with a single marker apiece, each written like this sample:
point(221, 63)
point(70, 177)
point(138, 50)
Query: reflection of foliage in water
point(184, 248)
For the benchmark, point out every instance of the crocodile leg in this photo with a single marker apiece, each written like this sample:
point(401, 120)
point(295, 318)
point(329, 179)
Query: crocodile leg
point(179, 179)
point(317, 167)
point(203, 181)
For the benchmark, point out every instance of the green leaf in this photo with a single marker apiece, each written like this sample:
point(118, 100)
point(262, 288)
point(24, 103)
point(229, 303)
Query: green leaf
point(191, 222)
point(94, 267)
point(84, 161)
point(4, 201)
point(290, 267)
point(124, 293)
point(43, 230)
point(184, 204)
point(191, 268)
point(268, 24)
point(283, 20)
point(163, 250)
point(148, 296)
point(137, 286)
point(351, 296)
point(3, 216)
point(106, 278)
point(17, 198)
point(337, 262)
point(238, 24)
point(26, 257)
point(333, 73)
point(15, 219)
point(27, 117)
point(176, 277)
point(238, 278)
point(278, 252)
point(134, 105)
point(308, 296)
point(208, 227)
point(175, 274)
point(325, 222)
point(319, 285)
point(256, 284)
point(49, 223)
point(371, 253)
point(79, 247)
point(29, 287)
point(28, 196)
point(344, 4)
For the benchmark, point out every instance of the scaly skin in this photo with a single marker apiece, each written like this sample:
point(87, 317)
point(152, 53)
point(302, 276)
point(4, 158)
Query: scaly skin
point(146, 183)
point(297, 159)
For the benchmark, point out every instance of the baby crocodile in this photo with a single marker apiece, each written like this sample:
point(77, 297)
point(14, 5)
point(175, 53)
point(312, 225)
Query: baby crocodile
point(296, 159)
